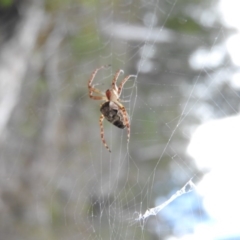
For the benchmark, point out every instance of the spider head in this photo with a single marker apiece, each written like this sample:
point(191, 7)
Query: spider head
point(112, 95)
point(108, 94)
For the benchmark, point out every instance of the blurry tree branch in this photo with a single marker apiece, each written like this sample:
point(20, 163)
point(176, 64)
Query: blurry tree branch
point(14, 59)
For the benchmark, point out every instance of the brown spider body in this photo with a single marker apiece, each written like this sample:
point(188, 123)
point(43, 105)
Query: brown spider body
point(113, 114)
point(112, 108)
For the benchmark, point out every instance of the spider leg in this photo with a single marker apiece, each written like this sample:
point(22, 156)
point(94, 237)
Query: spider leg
point(95, 90)
point(102, 132)
point(125, 119)
point(98, 98)
point(123, 82)
point(91, 88)
point(95, 72)
point(114, 85)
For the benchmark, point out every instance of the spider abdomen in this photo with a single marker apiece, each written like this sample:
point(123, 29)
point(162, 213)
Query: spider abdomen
point(113, 114)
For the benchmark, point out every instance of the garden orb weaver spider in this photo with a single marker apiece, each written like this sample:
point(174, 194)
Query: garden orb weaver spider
point(112, 108)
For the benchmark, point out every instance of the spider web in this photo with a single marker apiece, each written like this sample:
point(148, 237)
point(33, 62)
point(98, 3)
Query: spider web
point(58, 180)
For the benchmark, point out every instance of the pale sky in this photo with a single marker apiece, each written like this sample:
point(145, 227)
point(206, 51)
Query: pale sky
point(215, 146)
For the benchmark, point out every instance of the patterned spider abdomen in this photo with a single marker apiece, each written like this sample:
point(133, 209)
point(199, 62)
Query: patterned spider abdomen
point(113, 114)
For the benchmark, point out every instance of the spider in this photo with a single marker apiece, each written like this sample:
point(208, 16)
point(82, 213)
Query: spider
point(112, 108)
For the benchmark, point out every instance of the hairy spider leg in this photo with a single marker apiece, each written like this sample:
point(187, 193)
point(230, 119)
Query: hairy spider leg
point(115, 78)
point(120, 87)
point(101, 97)
point(102, 132)
point(126, 122)
point(92, 89)
point(125, 119)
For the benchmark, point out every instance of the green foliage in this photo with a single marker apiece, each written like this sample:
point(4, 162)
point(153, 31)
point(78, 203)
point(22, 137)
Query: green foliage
point(85, 41)
point(6, 3)
point(30, 125)
point(184, 24)
point(56, 213)
point(56, 5)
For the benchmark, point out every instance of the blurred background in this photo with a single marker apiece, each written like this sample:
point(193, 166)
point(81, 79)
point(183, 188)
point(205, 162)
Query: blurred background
point(57, 181)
